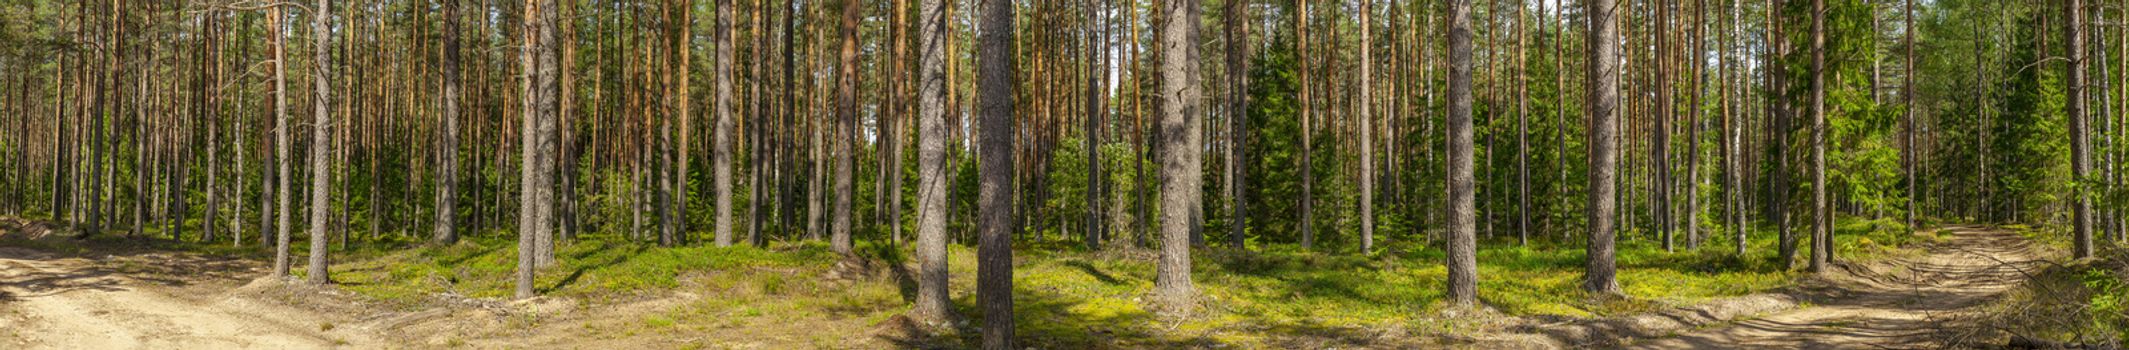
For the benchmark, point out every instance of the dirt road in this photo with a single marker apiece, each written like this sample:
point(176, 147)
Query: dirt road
point(1902, 303)
point(147, 301)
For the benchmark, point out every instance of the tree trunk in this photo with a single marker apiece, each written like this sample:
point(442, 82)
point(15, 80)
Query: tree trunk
point(1522, 128)
point(1665, 107)
point(1462, 249)
point(2080, 153)
point(446, 231)
point(1907, 113)
point(1733, 150)
point(1238, 18)
point(208, 84)
point(1692, 138)
point(1307, 169)
point(1181, 164)
point(1821, 233)
point(1778, 136)
point(721, 141)
point(282, 144)
point(535, 189)
point(1367, 130)
point(932, 304)
point(846, 129)
point(1093, 136)
point(321, 143)
point(682, 50)
point(1603, 144)
point(994, 100)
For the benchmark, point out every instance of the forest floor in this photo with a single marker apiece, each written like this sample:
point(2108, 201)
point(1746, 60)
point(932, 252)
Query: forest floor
point(116, 292)
point(1903, 303)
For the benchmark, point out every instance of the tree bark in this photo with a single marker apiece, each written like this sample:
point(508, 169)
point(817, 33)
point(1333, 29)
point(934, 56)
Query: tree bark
point(538, 60)
point(1522, 128)
point(282, 144)
point(1367, 130)
point(722, 141)
point(1907, 113)
point(1603, 144)
point(845, 133)
point(1693, 121)
point(683, 52)
point(994, 100)
point(321, 143)
point(1181, 164)
point(1822, 212)
point(446, 231)
point(1237, 18)
point(2080, 153)
point(1733, 152)
point(932, 304)
point(1462, 249)
point(1307, 169)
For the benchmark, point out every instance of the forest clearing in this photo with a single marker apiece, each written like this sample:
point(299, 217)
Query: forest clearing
point(1064, 174)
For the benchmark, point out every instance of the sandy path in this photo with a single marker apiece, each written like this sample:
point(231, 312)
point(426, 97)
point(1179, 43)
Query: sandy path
point(49, 302)
point(1897, 304)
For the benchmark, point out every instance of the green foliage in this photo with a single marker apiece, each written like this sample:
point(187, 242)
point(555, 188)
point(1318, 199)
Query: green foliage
point(2109, 302)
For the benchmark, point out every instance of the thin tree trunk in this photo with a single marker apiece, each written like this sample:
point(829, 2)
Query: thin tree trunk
point(1733, 151)
point(1822, 212)
point(321, 141)
point(282, 144)
point(1522, 127)
point(1692, 138)
point(2080, 153)
point(1907, 104)
point(683, 52)
point(1778, 137)
point(1237, 21)
point(1367, 126)
point(1308, 173)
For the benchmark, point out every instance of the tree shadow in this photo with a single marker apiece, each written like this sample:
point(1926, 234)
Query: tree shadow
point(1045, 319)
point(578, 273)
point(1095, 272)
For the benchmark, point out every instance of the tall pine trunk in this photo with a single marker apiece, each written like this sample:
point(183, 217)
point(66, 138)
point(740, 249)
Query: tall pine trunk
point(846, 128)
point(1462, 249)
point(446, 231)
point(721, 139)
point(282, 145)
point(995, 126)
point(1182, 125)
point(1367, 129)
point(1237, 21)
point(2080, 146)
point(538, 60)
point(321, 144)
point(1821, 211)
point(933, 176)
point(1601, 277)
